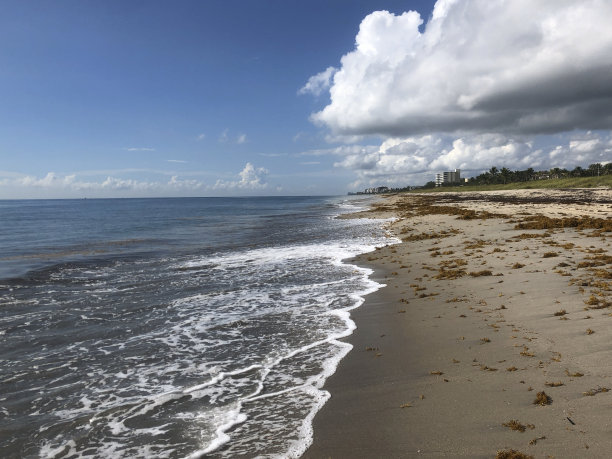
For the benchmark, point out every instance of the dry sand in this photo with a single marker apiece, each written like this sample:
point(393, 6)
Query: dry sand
point(442, 358)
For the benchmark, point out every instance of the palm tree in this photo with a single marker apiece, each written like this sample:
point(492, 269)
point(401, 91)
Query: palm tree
point(578, 171)
point(506, 174)
point(594, 168)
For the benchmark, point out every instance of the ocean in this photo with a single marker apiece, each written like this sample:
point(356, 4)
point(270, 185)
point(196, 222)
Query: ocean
point(185, 327)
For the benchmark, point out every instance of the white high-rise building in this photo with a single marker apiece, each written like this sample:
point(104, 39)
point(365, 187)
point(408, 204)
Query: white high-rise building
point(448, 177)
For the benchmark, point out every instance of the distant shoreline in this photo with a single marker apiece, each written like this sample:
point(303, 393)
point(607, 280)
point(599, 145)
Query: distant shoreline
point(490, 300)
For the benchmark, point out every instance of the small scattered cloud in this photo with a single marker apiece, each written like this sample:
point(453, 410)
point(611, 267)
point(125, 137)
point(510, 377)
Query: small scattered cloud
point(201, 136)
point(119, 184)
point(251, 178)
point(273, 155)
point(318, 83)
point(139, 149)
point(54, 181)
point(180, 161)
point(223, 136)
point(186, 184)
point(310, 163)
point(341, 150)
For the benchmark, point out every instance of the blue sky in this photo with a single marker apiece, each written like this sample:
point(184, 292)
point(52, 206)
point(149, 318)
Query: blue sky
point(205, 98)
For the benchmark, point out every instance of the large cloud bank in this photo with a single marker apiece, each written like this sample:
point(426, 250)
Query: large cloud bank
point(517, 67)
point(412, 160)
point(250, 179)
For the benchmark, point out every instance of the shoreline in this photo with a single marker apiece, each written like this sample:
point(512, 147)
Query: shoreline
point(467, 332)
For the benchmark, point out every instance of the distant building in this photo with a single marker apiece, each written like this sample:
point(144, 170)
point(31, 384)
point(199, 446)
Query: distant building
point(448, 177)
point(377, 190)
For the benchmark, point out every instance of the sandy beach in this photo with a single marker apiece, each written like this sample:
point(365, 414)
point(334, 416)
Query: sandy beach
point(493, 333)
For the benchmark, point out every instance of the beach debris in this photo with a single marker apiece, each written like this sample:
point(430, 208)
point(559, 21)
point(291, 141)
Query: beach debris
point(512, 368)
point(406, 405)
point(484, 272)
point(535, 440)
point(514, 424)
point(436, 372)
point(556, 357)
point(550, 255)
point(542, 399)
point(599, 390)
point(580, 223)
point(589, 331)
point(487, 368)
point(450, 274)
point(562, 312)
point(525, 352)
point(484, 340)
point(554, 384)
point(575, 374)
point(511, 454)
point(592, 301)
point(571, 422)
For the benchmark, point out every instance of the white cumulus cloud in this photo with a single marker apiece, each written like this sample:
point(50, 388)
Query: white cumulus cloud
point(513, 66)
point(250, 178)
point(414, 160)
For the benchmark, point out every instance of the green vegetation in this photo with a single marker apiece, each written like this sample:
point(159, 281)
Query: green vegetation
point(595, 175)
point(570, 182)
point(504, 175)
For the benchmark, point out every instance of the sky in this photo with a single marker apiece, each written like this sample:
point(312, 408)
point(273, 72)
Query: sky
point(295, 97)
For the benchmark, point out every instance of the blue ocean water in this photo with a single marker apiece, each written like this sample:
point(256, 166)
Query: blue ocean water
point(192, 327)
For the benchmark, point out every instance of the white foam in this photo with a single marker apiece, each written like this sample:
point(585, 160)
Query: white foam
point(270, 255)
point(234, 417)
point(49, 451)
point(313, 386)
point(277, 371)
point(220, 377)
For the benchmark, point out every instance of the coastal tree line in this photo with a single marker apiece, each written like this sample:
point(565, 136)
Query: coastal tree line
point(496, 176)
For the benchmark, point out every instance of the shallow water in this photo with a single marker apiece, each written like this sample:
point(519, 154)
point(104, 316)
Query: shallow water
point(173, 327)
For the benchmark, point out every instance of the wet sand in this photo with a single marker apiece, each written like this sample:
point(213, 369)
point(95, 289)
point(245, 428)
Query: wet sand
point(482, 311)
